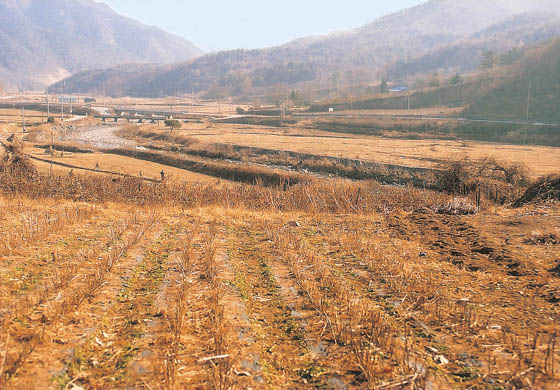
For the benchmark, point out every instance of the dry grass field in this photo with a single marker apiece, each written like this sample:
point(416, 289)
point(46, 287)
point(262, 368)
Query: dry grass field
point(10, 116)
point(541, 160)
point(112, 163)
point(110, 281)
point(428, 111)
point(119, 296)
point(167, 104)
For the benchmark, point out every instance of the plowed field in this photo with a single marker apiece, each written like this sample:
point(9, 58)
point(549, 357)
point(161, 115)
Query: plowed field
point(116, 296)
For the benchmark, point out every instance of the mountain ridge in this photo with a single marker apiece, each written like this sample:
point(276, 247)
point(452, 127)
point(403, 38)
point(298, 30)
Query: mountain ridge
point(464, 56)
point(356, 57)
point(42, 40)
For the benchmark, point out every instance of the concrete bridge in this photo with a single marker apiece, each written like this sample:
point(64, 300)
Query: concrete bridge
point(129, 118)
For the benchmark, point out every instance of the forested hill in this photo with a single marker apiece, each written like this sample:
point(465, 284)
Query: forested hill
point(327, 63)
point(539, 68)
point(44, 41)
point(503, 38)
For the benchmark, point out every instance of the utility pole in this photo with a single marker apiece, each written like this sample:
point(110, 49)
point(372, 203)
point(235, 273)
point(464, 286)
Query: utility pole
point(70, 105)
point(48, 108)
point(62, 108)
point(528, 103)
point(23, 118)
point(409, 98)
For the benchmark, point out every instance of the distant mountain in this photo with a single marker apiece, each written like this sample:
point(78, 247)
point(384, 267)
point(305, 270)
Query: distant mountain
point(327, 63)
point(505, 38)
point(42, 41)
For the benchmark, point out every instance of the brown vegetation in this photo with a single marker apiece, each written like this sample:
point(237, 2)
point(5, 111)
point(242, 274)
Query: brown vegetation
point(319, 284)
point(544, 190)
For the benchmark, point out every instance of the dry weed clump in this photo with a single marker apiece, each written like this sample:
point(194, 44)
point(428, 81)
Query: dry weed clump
point(317, 196)
point(14, 162)
point(488, 178)
point(547, 238)
point(457, 206)
point(546, 189)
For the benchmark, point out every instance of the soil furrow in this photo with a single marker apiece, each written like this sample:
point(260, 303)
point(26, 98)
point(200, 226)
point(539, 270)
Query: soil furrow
point(284, 358)
point(73, 318)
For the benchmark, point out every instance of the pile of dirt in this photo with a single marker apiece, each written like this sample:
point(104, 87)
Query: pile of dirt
point(544, 190)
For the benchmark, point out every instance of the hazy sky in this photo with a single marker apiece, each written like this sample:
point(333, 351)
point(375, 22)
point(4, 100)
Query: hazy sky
point(230, 24)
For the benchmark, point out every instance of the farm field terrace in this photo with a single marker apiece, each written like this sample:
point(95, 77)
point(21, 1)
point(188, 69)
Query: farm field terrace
point(103, 294)
point(103, 162)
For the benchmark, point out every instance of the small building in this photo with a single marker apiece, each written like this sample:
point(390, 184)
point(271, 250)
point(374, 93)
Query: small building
point(399, 88)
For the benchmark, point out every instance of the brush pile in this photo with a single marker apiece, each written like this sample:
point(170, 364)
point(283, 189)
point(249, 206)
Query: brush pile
point(15, 163)
point(544, 190)
point(495, 181)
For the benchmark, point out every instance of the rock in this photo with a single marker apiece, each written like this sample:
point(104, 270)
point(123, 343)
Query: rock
point(293, 224)
point(422, 254)
point(441, 360)
point(432, 349)
point(495, 327)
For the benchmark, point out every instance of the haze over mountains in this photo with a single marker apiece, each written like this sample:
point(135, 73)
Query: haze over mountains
point(438, 36)
point(358, 57)
point(44, 41)
point(463, 56)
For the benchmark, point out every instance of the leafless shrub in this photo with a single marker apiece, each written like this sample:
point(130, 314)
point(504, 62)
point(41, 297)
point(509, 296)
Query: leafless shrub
point(495, 181)
point(546, 189)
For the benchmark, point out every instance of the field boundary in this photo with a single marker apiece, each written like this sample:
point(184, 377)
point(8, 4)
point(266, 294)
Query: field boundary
point(347, 168)
point(65, 165)
point(243, 174)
